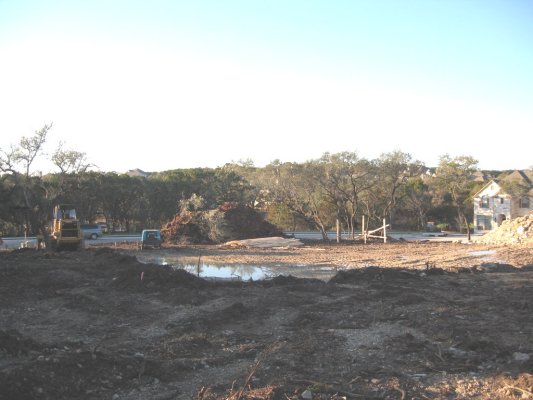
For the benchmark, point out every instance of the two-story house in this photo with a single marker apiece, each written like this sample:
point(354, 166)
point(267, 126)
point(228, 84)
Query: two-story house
point(500, 199)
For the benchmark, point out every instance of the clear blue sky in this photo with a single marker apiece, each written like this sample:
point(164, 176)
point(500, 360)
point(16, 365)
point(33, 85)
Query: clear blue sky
point(177, 84)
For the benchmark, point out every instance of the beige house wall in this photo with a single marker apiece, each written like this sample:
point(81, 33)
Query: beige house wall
point(492, 207)
point(520, 212)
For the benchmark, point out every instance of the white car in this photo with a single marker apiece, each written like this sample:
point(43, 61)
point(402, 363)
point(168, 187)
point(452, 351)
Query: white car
point(91, 231)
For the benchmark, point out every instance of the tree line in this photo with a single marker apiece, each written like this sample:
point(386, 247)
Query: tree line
point(294, 196)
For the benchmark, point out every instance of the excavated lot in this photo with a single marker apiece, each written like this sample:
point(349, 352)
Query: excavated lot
point(398, 321)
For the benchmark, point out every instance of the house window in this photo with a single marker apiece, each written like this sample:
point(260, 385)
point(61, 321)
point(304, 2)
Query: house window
point(485, 202)
point(523, 202)
point(484, 223)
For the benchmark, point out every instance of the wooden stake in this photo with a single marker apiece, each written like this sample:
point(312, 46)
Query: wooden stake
point(363, 229)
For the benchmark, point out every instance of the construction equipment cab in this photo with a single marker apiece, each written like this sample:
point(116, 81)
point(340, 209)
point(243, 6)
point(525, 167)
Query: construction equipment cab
point(65, 232)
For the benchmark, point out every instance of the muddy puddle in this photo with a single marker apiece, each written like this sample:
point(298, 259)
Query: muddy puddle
point(245, 272)
point(481, 253)
point(487, 256)
point(204, 270)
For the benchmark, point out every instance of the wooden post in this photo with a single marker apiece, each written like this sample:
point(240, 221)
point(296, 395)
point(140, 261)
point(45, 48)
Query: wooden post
point(384, 231)
point(338, 231)
point(363, 229)
point(198, 266)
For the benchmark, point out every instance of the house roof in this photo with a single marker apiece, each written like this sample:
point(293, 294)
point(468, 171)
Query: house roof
point(485, 186)
point(137, 173)
point(478, 176)
point(522, 176)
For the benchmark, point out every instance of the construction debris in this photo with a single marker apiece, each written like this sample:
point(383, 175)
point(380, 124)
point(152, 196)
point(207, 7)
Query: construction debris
point(228, 222)
point(514, 231)
point(268, 242)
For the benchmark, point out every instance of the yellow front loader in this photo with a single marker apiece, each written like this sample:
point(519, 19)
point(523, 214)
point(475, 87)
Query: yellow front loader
point(65, 231)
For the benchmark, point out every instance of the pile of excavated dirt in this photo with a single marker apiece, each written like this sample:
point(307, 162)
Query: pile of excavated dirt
point(514, 231)
point(228, 222)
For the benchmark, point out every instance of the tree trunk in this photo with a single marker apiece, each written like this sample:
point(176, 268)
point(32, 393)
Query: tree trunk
point(421, 220)
point(465, 221)
point(467, 228)
point(324, 233)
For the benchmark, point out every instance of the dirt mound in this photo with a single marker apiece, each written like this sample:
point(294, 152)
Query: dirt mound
point(370, 274)
point(228, 222)
point(514, 231)
point(282, 280)
point(14, 344)
point(149, 277)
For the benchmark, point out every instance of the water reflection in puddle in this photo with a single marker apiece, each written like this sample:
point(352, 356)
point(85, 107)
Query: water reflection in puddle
point(203, 270)
point(243, 272)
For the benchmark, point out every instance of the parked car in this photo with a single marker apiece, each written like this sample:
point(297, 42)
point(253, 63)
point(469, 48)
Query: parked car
point(151, 238)
point(91, 231)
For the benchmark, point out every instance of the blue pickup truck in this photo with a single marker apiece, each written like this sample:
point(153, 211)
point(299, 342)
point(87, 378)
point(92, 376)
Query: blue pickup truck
point(151, 238)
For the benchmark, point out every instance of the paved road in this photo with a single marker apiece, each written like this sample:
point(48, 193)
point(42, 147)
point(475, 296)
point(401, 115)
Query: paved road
point(411, 236)
point(18, 242)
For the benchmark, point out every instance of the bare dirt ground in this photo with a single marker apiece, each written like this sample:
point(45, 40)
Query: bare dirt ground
point(400, 321)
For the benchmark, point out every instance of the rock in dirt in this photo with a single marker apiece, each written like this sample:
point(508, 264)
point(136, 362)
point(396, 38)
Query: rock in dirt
point(520, 357)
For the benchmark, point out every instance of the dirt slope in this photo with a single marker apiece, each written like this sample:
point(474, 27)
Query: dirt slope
point(97, 324)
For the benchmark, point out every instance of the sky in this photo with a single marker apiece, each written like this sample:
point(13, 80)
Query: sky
point(166, 84)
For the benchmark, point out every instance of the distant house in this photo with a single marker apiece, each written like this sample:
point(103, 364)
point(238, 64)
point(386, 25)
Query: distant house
point(500, 199)
point(137, 173)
